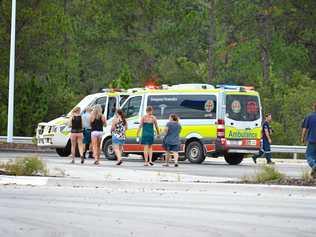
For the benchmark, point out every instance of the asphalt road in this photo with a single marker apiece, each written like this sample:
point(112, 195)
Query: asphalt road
point(212, 211)
point(91, 201)
point(216, 167)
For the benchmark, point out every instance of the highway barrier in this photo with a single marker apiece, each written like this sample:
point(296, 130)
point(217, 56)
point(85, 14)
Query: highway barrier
point(295, 150)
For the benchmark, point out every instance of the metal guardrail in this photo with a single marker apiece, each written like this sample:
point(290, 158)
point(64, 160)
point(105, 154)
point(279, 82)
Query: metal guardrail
point(274, 148)
point(289, 149)
point(20, 140)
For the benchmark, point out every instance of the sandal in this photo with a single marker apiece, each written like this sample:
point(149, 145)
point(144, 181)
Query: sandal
point(96, 162)
point(119, 163)
point(151, 163)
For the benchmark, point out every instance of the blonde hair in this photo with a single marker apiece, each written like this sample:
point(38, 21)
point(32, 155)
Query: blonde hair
point(97, 111)
point(76, 110)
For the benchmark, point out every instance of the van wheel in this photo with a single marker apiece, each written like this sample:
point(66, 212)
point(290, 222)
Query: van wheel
point(64, 152)
point(107, 149)
point(194, 152)
point(234, 158)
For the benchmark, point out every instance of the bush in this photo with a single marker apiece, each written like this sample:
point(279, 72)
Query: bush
point(27, 166)
point(269, 174)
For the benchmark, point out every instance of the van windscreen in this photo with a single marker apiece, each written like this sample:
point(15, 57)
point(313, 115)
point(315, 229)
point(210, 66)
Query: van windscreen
point(185, 106)
point(242, 107)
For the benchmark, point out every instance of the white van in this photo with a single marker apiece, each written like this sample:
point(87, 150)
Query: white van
point(56, 133)
point(215, 121)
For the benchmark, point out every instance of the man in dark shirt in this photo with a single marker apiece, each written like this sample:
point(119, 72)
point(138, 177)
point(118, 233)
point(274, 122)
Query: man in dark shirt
point(309, 135)
point(266, 141)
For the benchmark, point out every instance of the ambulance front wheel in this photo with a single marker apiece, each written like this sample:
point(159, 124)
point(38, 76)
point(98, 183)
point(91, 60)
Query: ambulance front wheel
point(194, 152)
point(234, 158)
point(107, 149)
point(65, 151)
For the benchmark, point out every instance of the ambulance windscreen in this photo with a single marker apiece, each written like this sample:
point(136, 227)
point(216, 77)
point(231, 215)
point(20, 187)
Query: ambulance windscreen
point(242, 107)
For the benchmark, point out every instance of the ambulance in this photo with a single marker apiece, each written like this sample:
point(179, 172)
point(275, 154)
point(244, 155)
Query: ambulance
point(56, 133)
point(216, 121)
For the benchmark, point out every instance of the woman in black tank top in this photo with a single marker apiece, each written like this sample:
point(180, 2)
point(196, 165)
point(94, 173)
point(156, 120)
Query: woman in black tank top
point(97, 121)
point(76, 136)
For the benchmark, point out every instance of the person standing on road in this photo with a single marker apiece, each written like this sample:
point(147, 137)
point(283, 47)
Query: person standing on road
point(86, 131)
point(119, 126)
point(97, 121)
point(266, 141)
point(76, 134)
point(147, 124)
point(171, 141)
point(309, 135)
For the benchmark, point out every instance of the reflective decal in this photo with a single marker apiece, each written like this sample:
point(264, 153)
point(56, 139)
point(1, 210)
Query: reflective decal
point(236, 106)
point(209, 106)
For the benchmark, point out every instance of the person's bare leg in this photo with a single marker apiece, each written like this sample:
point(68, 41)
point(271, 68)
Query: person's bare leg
point(98, 148)
point(176, 158)
point(150, 154)
point(117, 152)
point(146, 154)
point(73, 148)
point(167, 158)
point(81, 148)
point(94, 148)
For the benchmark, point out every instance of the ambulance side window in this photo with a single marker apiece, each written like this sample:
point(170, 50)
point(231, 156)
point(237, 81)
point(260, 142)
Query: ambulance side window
point(185, 106)
point(101, 101)
point(132, 106)
point(111, 107)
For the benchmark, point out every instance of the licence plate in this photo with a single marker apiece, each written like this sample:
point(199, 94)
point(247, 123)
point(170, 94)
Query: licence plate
point(251, 142)
point(234, 142)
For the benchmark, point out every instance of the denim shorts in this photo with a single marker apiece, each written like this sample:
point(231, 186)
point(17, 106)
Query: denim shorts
point(116, 141)
point(174, 148)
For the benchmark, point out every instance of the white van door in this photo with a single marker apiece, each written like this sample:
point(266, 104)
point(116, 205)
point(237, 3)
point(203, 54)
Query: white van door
point(132, 109)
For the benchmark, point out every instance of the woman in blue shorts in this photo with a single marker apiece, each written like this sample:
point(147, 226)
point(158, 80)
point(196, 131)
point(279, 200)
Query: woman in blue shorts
point(171, 141)
point(119, 126)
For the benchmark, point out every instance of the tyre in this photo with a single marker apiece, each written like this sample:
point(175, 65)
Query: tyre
point(234, 158)
point(64, 152)
point(107, 149)
point(194, 152)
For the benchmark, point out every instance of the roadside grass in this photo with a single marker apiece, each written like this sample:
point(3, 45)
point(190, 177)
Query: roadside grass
point(270, 175)
point(26, 166)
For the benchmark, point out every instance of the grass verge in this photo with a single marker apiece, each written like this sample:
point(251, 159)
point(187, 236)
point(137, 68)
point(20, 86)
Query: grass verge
point(270, 175)
point(26, 166)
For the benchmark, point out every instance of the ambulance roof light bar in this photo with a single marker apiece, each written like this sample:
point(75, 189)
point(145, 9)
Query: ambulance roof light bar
point(235, 87)
point(192, 86)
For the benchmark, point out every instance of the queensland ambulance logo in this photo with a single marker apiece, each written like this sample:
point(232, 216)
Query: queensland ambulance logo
point(209, 106)
point(236, 106)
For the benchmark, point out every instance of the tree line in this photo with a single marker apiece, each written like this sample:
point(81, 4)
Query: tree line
point(66, 49)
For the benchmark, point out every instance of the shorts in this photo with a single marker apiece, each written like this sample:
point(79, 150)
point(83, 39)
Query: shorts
point(86, 136)
point(116, 141)
point(96, 134)
point(172, 148)
point(75, 136)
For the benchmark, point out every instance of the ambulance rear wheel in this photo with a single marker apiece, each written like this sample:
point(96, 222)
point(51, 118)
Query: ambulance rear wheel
point(234, 158)
point(64, 152)
point(107, 149)
point(194, 152)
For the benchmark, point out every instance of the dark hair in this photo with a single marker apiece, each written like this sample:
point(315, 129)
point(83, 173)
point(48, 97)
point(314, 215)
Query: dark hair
point(149, 109)
point(174, 117)
point(268, 114)
point(122, 115)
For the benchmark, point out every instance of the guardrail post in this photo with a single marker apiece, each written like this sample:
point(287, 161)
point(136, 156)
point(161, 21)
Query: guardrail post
point(295, 156)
